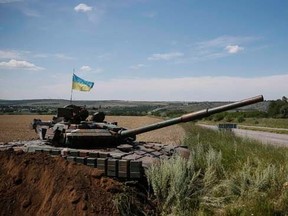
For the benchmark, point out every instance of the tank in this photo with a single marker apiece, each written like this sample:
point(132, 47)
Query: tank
point(72, 129)
point(110, 147)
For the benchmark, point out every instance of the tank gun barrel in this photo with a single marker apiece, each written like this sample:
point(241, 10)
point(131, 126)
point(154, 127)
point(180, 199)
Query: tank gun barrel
point(191, 116)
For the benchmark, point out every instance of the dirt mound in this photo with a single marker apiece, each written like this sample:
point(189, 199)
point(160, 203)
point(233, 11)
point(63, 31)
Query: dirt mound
point(37, 184)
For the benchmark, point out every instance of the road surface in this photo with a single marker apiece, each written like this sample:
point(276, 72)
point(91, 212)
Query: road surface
point(264, 137)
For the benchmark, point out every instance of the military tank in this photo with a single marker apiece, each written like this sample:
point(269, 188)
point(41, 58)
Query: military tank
point(109, 147)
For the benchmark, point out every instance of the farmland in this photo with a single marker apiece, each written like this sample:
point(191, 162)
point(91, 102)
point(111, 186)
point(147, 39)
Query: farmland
point(18, 127)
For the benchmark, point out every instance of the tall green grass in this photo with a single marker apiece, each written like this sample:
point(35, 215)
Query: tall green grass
point(267, 122)
point(225, 175)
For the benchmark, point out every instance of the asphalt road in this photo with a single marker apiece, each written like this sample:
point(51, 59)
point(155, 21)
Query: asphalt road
point(264, 137)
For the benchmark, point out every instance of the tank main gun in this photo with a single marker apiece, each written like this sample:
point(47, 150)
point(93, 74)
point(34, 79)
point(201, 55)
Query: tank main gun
point(191, 116)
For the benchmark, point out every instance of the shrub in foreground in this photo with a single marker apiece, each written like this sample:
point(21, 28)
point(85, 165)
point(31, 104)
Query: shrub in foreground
point(226, 176)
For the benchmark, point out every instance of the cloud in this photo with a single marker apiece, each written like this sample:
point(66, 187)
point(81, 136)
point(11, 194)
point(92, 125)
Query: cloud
point(15, 64)
point(219, 47)
point(165, 56)
point(31, 13)
point(97, 70)
point(86, 68)
point(40, 55)
point(94, 14)
point(24, 8)
point(83, 8)
point(24, 55)
point(105, 56)
point(63, 56)
point(233, 49)
point(9, 1)
point(137, 67)
point(206, 88)
point(9, 54)
point(223, 41)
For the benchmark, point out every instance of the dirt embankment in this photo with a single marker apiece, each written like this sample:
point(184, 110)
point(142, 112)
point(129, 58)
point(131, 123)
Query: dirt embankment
point(37, 184)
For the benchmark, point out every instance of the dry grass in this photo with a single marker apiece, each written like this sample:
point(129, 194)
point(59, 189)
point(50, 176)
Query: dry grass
point(17, 127)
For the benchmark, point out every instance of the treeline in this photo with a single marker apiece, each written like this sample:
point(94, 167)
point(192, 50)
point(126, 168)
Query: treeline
point(169, 113)
point(26, 110)
point(276, 109)
point(237, 116)
point(130, 111)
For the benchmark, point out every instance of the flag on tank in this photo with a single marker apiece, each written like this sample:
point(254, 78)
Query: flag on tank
point(81, 84)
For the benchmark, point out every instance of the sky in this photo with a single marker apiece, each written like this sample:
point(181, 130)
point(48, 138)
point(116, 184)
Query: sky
point(146, 50)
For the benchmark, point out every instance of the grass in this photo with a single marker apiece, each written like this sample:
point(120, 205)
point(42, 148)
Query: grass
point(266, 122)
point(272, 125)
point(225, 175)
point(264, 129)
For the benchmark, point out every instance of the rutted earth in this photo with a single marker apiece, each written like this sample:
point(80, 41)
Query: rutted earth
point(37, 184)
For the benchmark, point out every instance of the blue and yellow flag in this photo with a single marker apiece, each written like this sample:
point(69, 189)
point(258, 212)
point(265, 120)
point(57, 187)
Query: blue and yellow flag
point(81, 84)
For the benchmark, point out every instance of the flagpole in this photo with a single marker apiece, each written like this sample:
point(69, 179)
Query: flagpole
point(72, 87)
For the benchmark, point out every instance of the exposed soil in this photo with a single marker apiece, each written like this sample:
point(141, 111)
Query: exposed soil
point(37, 184)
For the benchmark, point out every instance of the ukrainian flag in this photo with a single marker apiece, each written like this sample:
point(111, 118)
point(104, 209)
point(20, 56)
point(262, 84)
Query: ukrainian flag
point(81, 84)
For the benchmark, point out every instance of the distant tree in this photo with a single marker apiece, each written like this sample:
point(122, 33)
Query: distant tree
point(278, 108)
point(284, 111)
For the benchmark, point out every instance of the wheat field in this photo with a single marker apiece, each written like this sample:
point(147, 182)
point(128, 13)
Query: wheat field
point(18, 127)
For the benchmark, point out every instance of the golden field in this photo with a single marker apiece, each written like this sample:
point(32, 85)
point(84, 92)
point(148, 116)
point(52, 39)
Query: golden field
point(18, 127)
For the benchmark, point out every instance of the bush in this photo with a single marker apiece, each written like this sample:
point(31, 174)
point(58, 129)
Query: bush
point(228, 119)
point(240, 119)
point(278, 108)
point(181, 186)
point(219, 116)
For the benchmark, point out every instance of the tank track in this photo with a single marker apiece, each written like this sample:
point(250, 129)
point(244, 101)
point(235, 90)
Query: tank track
point(129, 163)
